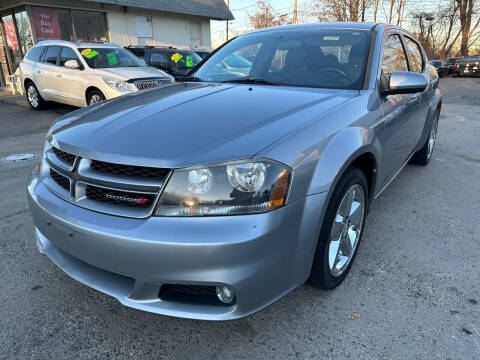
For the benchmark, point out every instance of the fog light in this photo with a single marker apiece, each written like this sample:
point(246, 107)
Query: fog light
point(225, 294)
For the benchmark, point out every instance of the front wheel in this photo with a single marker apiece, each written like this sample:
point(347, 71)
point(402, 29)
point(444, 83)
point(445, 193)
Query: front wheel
point(341, 231)
point(95, 96)
point(423, 156)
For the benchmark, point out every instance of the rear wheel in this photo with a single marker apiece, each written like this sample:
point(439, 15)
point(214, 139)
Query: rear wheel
point(423, 156)
point(34, 98)
point(341, 231)
point(95, 96)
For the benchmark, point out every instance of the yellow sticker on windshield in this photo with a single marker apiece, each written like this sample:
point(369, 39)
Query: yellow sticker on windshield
point(85, 51)
point(176, 57)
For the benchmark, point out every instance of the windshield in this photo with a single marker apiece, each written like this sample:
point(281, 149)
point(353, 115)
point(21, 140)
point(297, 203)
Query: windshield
point(109, 58)
point(321, 58)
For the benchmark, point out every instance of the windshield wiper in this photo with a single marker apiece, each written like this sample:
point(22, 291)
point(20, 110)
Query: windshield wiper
point(256, 82)
point(191, 78)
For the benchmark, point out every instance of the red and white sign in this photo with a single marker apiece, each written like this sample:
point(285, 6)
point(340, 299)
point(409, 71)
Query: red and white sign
point(11, 35)
point(45, 22)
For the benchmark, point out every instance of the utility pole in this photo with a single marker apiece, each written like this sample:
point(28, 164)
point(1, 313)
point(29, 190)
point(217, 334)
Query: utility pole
point(294, 11)
point(228, 7)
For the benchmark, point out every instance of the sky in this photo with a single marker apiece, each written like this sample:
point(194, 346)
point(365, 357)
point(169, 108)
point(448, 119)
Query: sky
point(242, 8)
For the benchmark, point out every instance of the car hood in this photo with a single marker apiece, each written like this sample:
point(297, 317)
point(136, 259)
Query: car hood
point(128, 73)
point(186, 124)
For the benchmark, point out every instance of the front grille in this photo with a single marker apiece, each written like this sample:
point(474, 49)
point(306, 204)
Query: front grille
point(61, 180)
point(69, 158)
point(150, 83)
point(121, 198)
point(128, 170)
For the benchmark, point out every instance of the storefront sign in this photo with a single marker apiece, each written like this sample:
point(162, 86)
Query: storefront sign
point(45, 22)
point(11, 35)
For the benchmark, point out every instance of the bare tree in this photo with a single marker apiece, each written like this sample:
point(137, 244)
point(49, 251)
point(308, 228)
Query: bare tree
point(266, 16)
point(465, 13)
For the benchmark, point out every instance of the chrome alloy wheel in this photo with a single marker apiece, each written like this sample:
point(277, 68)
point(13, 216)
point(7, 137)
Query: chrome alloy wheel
point(346, 230)
point(432, 137)
point(32, 95)
point(95, 98)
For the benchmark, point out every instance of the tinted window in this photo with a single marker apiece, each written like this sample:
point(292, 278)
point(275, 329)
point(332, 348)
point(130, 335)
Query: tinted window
point(394, 58)
point(35, 52)
point(138, 52)
point(51, 55)
point(184, 59)
point(109, 58)
point(416, 60)
point(320, 58)
point(157, 57)
point(67, 54)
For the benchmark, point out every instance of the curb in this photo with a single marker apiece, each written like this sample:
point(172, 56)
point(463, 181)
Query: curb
point(19, 101)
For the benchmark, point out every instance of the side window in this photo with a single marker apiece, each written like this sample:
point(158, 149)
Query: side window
point(35, 53)
point(393, 58)
point(51, 54)
point(68, 54)
point(156, 58)
point(416, 59)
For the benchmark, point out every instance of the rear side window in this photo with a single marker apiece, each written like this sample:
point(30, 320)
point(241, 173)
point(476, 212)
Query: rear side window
point(51, 55)
point(67, 54)
point(416, 59)
point(394, 58)
point(157, 57)
point(35, 53)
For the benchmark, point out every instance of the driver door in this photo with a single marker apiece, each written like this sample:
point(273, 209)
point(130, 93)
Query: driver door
point(401, 111)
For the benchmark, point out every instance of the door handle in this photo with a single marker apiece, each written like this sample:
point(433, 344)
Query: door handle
point(59, 75)
point(414, 98)
point(39, 71)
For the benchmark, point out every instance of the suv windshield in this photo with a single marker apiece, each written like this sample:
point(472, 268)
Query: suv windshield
point(184, 59)
point(109, 58)
point(321, 58)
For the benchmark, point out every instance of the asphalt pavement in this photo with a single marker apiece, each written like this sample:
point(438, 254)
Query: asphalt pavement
point(413, 292)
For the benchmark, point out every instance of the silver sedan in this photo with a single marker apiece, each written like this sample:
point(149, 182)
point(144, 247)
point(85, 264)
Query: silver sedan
point(213, 198)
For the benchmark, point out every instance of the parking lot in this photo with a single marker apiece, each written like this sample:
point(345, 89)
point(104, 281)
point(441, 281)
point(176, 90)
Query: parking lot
point(413, 292)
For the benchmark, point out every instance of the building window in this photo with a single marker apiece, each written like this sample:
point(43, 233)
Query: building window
point(144, 26)
point(24, 33)
point(13, 50)
point(89, 26)
point(195, 34)
point(50, 23)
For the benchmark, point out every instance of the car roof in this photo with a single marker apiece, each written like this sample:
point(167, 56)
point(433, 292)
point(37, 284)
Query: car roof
point(77, 44)
point(323, 25)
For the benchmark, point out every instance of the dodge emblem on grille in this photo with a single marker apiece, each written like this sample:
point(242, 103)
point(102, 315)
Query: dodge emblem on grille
point(139, 201)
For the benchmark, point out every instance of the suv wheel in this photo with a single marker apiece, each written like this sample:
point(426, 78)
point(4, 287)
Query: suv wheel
point(341, 231)
point(34, 98)
point(95, 97)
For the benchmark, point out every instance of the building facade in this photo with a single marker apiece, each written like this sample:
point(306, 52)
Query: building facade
point(178, 23)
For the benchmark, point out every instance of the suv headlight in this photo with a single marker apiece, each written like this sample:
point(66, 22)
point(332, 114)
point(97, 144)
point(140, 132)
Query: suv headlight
point(241, 187)
point(119, 85)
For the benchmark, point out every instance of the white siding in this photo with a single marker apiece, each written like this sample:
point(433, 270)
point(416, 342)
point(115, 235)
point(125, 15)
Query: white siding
point(168, 29)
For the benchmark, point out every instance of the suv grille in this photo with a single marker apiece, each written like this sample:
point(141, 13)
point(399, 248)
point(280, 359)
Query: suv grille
point(117, 189)
point(69, 158)
point(150, 83)
point(128, 170)
point(61, 180)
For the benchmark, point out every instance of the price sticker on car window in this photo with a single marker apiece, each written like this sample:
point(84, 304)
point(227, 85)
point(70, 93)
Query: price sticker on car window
point(112, 58)
point(176, 57)
point(91, 54)
point(189, 61)
point(85, 51)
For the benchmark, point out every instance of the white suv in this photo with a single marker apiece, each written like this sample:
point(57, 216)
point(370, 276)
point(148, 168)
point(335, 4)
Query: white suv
point(82, 74)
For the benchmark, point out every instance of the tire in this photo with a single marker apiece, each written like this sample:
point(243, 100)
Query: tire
point(34, 98)
point(329, 267)
point(422, 157)
point(95, 96)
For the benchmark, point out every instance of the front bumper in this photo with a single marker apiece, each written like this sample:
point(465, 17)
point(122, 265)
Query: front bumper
point(261, 257)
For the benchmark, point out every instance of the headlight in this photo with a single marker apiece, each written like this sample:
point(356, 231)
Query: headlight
point(234, 188)
point(118, 84)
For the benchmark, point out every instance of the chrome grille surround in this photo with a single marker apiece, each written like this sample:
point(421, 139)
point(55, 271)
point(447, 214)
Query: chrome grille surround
point(129, 194)
point(142, 84)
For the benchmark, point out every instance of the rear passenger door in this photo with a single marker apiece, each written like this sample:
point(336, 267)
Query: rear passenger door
point(418, 64)
point(44, 75)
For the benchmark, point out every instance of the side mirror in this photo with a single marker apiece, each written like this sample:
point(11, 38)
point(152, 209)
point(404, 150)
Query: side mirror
point(405, 82)
point(72, 64)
